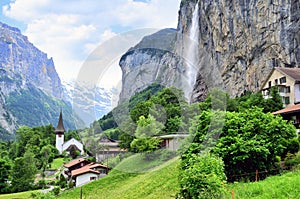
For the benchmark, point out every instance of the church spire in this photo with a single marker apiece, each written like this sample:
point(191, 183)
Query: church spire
point(60, 129)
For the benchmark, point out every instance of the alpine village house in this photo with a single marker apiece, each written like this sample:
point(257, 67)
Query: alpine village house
point(288, 82)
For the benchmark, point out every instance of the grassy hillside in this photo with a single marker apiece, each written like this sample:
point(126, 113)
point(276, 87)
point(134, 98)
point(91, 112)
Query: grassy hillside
point(20, 195)
point(162, 182)
point(157, 183)
point(279, 187)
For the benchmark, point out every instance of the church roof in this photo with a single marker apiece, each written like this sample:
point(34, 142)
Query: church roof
point(60, 126)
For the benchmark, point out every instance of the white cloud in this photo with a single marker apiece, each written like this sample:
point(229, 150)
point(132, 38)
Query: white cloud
point(69, 30)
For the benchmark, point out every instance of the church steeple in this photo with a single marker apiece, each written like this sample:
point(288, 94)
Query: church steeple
point(60, 129)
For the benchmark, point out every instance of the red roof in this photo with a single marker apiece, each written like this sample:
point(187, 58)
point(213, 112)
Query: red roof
point(83, 170)
point(74, 162)
point(290, 109)
point(88, 168)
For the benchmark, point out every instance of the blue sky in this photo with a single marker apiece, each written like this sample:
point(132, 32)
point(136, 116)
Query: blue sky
point(70, 30)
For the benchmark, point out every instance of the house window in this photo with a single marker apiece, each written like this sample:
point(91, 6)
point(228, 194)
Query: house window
point(276, 81)
point(92, 178)
point(270, 84)
point(288, 89)
point(282, 80)
point(287, 100)
point(281, 89)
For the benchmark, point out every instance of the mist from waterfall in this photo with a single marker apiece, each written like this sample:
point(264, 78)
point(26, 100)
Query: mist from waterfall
point(191, 54)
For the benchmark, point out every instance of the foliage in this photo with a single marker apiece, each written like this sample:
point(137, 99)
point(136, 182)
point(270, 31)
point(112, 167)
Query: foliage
point(292, 160)
point(56, 191)
point(41, 108)
point(24, 171)
point(275, 102)
point(145, 145)
point(248, 141)
point(5, 174)
point(62, 182)
point(202, 177)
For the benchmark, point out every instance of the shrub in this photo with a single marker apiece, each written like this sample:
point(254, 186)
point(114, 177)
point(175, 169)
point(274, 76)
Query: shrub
point(202, 177)
point(56, 190)
point(292, 160)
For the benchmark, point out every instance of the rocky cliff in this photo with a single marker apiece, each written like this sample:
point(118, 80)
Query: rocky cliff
point(31, 92)
point(22, 62)
point(150, 61)
point(242, 40)
point(232, 45)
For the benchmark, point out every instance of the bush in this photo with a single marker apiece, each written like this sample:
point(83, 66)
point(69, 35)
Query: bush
point(71, 184)
point(292, 160)
point(41, 184)
point(56, 190)
point(62, 182)
point(202, 177)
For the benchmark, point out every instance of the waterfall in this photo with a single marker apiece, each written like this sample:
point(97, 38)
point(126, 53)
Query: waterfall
point(191, 53)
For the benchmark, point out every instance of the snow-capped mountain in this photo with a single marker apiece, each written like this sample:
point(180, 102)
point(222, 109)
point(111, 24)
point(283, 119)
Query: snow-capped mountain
point(89, 102)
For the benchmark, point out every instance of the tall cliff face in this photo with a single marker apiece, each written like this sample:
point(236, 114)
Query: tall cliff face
point(31, 92)
point(23, 63)
point(150, 61)
point(242, 40)
point(232, 44)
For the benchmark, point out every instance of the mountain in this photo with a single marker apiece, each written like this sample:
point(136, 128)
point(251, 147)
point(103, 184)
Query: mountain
point(150, 61)
point(31, 92)
point(242, 40)
point(89, 102)
point(232, 45)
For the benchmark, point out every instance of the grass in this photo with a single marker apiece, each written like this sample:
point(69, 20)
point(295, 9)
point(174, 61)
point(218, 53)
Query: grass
point(138, 164)
point(57, 163)
point(160, 182)
point(280, 187)
point(25, 194)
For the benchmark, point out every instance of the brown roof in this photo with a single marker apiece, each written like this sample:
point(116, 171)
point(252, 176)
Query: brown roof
point(60, 126)
point(83, 170)
point(290, 109)
point(88, 168)
point(291, 72)
point(74, 162)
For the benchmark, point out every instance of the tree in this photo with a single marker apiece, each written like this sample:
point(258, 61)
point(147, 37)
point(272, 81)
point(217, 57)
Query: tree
point(5, 174)
point(248, 141)
point(275, 102)
point(146, 129)
point(202, 177)
point(24, 171)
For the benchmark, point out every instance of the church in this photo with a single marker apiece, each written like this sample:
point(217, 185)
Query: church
point(69, 145)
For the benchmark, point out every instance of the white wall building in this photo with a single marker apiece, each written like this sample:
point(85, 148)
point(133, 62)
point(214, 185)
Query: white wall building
point(60, 144)
point(288, 82)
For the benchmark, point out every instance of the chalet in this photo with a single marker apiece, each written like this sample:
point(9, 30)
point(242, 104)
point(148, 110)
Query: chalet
point(288, 82)
point(76, 164)
point(291, 113)
point(88, 173)
point(172, 141)
point(107, 148)
point(60, 144)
